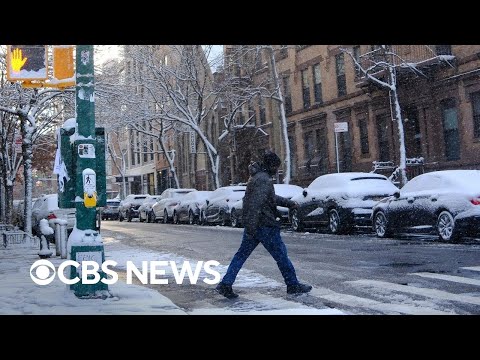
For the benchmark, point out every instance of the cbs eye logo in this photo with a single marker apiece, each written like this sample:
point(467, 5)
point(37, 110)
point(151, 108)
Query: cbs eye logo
point(40, 272)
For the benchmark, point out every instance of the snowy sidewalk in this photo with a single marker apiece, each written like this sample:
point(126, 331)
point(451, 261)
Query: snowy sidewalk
point(20, 295)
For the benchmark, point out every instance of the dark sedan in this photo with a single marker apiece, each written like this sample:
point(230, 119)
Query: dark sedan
point(340, 201)
point(446, 202)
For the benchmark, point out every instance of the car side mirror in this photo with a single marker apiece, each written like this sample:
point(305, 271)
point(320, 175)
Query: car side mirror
point(396, 194)
point(304, 193)
point(227, 200)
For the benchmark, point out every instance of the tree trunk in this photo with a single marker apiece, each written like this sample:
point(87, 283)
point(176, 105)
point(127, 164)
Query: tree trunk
point(283, 123)
point(9, 204)
point(27, 173)
point(401, 134)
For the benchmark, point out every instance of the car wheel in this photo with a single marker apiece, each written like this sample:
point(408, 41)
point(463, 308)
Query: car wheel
point(297, 224)
point(446, 227)
point(175, 217)
point(165, 217)
point(140, 217)
point(191, 218)
point(129, 217)
point(154, 217)
point(223, 219)
point(203, 219)
point(234, 219)
point(380, 225)
point(120, 218)
point(334, 223)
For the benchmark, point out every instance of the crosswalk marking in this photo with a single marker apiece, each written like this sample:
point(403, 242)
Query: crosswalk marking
point(457, 279)
point(386, 308)
point(473, 268)
point(431, 293)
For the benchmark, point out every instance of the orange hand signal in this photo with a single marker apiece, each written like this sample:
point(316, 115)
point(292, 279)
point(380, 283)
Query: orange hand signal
point(17, 60)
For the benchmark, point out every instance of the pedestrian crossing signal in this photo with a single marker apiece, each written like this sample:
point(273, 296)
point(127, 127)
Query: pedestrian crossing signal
point(26, 62)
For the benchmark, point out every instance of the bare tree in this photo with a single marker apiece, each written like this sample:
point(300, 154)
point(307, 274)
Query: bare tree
point(176, 94)
point(36, 114)
point(249, 63)
point(381, 67)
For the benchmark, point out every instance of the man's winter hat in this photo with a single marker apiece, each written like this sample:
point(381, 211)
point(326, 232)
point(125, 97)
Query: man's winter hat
point(271, 160)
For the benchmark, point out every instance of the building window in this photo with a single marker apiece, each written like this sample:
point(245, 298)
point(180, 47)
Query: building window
point(137, 148)
point(283, 51)
point(382, 135)
point(356, 56)
point(263, 115)
point(293, 158)
point(145, 152)
point(475, 97)
point(443, 49)
point(322, 150)
point(252, 113)
point(309, 146)
point(317, 83)
point(364, 146)
point(286, 94)
point(132, 148)
point(341, 80)
point(450, 130)
point(305, 89)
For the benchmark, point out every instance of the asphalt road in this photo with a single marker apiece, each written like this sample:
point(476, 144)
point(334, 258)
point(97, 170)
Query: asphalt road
point(356, 274)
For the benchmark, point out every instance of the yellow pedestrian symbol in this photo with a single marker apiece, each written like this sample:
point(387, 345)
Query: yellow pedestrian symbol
point(17, 60)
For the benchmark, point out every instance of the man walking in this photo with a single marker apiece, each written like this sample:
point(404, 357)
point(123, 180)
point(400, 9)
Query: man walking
point(259, 218)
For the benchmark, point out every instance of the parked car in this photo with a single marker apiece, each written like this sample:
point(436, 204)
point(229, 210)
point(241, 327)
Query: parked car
point(188, 209)
point(128, 208)
point(341, 201)
point(284, 190)
point(163, 209)
point(445, 202)
point(111, 211)
point(218, 206)
point(46, 207)
point(145, 210)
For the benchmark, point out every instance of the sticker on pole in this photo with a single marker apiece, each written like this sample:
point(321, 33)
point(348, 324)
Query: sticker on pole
point(341, 127)
point(89, 188)
point(86, 151)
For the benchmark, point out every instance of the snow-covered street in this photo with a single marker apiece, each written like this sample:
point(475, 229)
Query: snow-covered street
point(20, 295)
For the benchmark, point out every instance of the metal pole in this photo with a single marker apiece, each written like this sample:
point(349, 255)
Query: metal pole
point(336, 150)
point(86, 242)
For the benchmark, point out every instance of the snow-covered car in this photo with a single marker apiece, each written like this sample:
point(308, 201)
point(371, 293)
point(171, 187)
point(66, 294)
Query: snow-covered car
point(341, 201)
point(446, 202)
point(163, 209)
point(284, 190)
point(145, 210)
point(46, 207)
point(218, 206)
point(111, 210)
point(129, 206)
point(188, 209)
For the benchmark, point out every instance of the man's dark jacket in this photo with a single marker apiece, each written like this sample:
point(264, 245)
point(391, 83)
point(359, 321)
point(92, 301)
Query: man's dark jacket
point(260, 202)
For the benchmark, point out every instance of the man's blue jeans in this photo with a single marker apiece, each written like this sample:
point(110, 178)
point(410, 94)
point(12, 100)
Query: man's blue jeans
point(271, 240)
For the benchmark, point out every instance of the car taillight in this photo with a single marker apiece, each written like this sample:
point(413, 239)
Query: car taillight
point(475, 201)
point(51, 216)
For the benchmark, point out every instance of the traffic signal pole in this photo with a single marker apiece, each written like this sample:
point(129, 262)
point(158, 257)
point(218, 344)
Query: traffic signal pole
point(85, 242)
